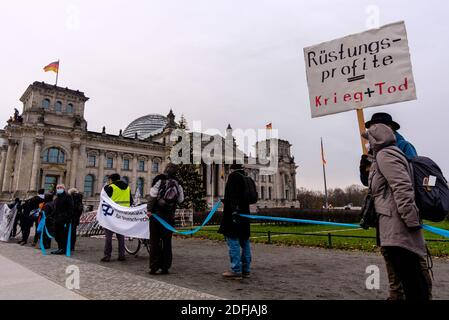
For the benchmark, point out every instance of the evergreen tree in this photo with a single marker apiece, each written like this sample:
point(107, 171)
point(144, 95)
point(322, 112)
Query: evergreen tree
point(192, 184)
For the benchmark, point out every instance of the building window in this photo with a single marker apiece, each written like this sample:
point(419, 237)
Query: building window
point(125, 164)
point(155, 168)
point(54, 155)
point(270, 178)
point(141, 165)
point(89, 186)
point(58, 106)
point(269, 193)
point(50, 183)
point(109, 162)
point(92, 161)
point(46, 103)
point(69, 108)
point(263, 178)
point(140, 185)
point(125, 179)
point(262, 193)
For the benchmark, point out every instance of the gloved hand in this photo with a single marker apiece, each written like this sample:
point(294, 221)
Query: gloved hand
point(365, 163)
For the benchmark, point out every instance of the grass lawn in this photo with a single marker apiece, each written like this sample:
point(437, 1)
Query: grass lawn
point(318, 236)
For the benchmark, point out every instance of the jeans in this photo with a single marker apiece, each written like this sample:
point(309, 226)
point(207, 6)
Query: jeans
point(240, 261)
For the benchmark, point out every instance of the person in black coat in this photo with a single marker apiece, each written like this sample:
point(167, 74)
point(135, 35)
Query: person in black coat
point(26, 222)
point(235, 228)
point(63, 214)
point(78, 209)
point(18, 204)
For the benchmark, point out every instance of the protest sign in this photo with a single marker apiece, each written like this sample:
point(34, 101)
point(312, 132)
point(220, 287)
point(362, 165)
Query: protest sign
point(363, 70)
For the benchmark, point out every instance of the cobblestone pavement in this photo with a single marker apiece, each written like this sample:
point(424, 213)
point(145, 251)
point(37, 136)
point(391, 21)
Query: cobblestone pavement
point(96, 281)
point(278, 272)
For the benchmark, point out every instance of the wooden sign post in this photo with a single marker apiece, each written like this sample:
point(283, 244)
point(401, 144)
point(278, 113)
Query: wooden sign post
point(362, 129)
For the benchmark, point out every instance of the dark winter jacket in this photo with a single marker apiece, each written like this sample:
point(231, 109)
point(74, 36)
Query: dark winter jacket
point(122, 185)
point(232, 225)
point(77, 207)
point(63, 212)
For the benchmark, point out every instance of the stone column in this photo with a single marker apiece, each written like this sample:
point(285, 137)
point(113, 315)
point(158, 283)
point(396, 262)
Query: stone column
point(100, 172)
point(119, 163)
point(36, 163)
point(134, 178)
point(149, 175)
point(2, 165)
point(74, 167)
point(8, 167)
point(208, 177)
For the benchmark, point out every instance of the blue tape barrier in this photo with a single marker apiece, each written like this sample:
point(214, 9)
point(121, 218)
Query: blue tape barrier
point(170, 228)
point(435, 230)
point(42, 227)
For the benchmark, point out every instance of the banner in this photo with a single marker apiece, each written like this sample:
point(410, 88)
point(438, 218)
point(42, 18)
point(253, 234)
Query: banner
point(363, 70)
point(127, 221)
point(7, 217)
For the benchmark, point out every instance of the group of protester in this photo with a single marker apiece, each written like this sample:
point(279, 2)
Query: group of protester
point(385, 170)
point(62, 210)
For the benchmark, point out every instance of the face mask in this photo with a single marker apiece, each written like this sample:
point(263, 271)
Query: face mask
point(59, 191)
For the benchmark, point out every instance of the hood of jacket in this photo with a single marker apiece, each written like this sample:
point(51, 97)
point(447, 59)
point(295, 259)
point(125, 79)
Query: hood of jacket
point(379, 137)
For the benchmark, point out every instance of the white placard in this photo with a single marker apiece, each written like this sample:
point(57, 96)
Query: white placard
point(363, 70)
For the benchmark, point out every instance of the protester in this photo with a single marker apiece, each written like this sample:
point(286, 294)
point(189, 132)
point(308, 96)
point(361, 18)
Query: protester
point(18, 204)
point(26, 221)
point(235, 228)
point(48, 208)
point(63, 215)
point(78, 208)
point(166, 192)
point(120, 193)
point(399, 227)
point(396, 291)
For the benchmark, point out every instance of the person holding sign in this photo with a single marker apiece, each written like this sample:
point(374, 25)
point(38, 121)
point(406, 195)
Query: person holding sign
point(396, 290)
point(399, 227)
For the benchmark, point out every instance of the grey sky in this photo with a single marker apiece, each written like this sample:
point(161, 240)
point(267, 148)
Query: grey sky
point(223, 61)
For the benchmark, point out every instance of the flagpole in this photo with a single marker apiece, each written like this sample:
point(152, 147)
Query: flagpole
point(57, 74)
point(324, 175)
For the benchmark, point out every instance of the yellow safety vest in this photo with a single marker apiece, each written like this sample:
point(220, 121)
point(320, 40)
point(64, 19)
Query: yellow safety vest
point(121, 197)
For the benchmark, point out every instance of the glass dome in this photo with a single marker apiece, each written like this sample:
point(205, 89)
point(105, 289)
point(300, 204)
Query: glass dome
point(146, 126)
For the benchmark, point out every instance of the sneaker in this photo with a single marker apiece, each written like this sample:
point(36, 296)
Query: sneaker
point(105, 259)
point(232, 275)
point(164, 271)
point(246, 275)
point(153, 271)
point(57, 251)
point(121, 259)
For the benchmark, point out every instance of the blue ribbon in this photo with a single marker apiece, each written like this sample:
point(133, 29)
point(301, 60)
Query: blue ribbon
point(170, 228)
point(438, 231)
point(325, 223)
point(435, 230)
point(42, 227)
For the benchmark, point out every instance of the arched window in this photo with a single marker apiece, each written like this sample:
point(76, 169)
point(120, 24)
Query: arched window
point(262, 193)
point(58, 106)
point(125, 179)
point(46, 103)
point(54, 155)
point(125, 164)
point(140, 185)
point(89, 185)
point(69, 108)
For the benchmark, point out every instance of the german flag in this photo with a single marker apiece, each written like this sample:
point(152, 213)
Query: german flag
point(54, 66)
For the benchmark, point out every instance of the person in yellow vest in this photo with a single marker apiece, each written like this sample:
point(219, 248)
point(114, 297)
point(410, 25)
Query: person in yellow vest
point(120, 193)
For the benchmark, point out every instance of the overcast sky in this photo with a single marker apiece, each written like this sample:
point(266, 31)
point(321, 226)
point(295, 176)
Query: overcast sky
point(223, 61)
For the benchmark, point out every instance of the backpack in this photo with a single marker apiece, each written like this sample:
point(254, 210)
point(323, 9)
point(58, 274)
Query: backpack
point(168, 193)
point(432, 200)
point(250, 194)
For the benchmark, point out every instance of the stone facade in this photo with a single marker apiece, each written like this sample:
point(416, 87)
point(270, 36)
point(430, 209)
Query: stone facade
point(50, 144)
